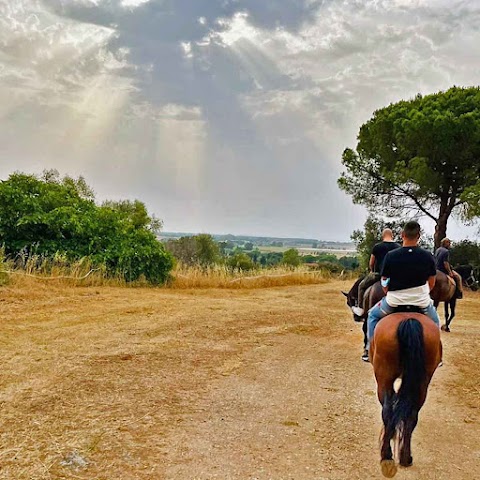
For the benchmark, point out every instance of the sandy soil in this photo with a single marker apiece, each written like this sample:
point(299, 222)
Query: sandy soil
point(115, 383)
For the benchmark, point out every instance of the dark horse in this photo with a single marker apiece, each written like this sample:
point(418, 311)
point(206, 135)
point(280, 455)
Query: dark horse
point(444, 291)
point(372, 295)
point(405, 346)
point(468, 276)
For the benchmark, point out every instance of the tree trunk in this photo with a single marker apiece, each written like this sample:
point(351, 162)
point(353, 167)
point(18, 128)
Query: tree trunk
point(447, 204)
point(440, 231)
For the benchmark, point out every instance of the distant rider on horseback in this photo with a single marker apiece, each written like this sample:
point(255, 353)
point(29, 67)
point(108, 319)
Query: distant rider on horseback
point(375, 264)
point(407, 276)
point(442, 259)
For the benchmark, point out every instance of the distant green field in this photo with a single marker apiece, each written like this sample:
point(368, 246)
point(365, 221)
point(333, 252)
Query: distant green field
point(309, 251)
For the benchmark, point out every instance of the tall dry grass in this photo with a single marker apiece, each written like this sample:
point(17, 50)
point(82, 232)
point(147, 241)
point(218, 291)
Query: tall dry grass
point(58, 270)
point(220, 276)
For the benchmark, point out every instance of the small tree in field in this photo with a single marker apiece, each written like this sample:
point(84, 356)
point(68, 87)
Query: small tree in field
point(291, 258)
point(420, 157)
point(241, 261)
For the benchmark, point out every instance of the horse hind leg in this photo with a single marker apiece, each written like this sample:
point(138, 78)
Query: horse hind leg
point(453, 304)
point(444, 327)
point(449, 316)
point(405, 440)
point(387, 463)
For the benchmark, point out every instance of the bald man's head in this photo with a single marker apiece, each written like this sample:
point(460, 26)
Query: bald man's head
point(387, 235)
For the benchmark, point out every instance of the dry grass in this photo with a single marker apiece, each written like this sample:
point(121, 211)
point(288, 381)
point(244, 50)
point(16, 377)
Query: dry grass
point(108, 375)
point(55, 269)
point(82, 273)
point(223, 277)
point(104, 374)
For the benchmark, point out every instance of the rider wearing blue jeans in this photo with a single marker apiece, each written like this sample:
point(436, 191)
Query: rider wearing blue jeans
point(408, 275)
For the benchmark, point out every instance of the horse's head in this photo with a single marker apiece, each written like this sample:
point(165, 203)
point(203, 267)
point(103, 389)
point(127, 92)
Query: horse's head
point(468, 276)
point(352, 299)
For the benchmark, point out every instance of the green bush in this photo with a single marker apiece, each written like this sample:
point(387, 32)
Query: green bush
point(291, 258)
point(48, 216)
point(241, 261)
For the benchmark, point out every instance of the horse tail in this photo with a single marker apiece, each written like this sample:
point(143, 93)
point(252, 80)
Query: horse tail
point(406, 403)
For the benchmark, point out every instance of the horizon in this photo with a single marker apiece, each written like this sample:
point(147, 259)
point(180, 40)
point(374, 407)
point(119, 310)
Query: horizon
point(221, 115)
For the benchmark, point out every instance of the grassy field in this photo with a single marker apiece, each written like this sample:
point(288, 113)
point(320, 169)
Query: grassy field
point(106, 383)
point(309, 251)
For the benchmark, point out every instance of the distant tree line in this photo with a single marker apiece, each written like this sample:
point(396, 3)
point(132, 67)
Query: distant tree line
point(203, 250)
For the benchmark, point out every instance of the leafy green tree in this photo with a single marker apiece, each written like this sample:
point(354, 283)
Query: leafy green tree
point(195, 250)
point(291, 258)
point(50, 216)
point(350, 263)
point(208, 252)
point(255, 255)
point(47, 215)
point(310, 258)
point(332, 267)
point(471, 197)
point(183, 249)
point(248, 246)
point(419, 156)
point(270, 259)
point(327, 257)
point(241, 261)
point(135, 213)
point(465, 252)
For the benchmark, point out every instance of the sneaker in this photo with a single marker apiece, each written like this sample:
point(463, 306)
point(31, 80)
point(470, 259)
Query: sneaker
point(358, 311)
point(440, 364)
point(365, 356)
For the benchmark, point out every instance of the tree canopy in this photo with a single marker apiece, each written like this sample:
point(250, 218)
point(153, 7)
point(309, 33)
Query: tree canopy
point(48, 215)
point(421, 157)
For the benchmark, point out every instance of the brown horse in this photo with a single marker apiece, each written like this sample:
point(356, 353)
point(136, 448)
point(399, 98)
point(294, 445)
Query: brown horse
point(405, 346)
point(445, 291)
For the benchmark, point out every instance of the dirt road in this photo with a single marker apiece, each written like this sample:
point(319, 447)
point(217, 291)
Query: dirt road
point(214, 384)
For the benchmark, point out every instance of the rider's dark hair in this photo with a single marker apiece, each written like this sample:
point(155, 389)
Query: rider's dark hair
point(411, 229)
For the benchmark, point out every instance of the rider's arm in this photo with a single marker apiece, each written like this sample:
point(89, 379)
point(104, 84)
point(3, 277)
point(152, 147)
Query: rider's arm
point(371, 263)
point(448, 268)
point(384, 282)
point(431, 282)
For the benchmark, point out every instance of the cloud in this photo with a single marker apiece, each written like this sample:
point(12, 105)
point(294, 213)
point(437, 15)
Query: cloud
point(224, 115)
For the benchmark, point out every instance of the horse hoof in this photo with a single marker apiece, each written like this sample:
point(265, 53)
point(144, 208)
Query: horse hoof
point(445, 328)
point(389, 469)
point(408, 463)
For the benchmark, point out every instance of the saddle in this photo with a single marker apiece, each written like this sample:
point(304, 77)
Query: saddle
point(408, 309)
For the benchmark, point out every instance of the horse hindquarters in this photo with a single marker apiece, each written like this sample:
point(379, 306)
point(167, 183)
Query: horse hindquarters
point(412, 393)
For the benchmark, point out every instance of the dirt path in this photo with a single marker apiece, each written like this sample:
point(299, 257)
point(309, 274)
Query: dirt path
point(264, 384)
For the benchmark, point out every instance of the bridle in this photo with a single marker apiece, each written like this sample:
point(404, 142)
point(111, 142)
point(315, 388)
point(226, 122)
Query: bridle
point(471, 280)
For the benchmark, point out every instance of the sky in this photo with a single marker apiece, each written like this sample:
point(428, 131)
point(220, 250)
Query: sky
point(223, 116)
